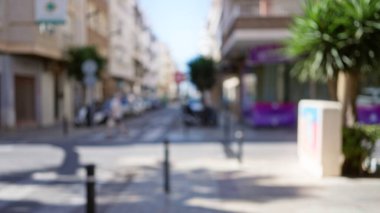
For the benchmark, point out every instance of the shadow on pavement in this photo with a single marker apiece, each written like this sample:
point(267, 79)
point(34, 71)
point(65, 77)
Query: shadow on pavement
point(197, 191)
point(29, 206)
point(68, 167)
point(71, 161)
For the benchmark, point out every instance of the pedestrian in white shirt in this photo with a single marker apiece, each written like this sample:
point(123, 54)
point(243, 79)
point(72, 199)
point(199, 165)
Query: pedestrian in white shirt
point(115, 114)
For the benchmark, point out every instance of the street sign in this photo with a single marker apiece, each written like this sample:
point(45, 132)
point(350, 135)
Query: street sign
point(179, 77)
point(90, 80)
point(51, 11)
point(89, 67)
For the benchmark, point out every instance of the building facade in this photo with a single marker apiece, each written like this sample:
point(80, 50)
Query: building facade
point(96, 33)
point(35, 90)
point(251, 34)
point(122, 29)
point(210, 46)
point(211, 41)
point(167, 68)
point(34, 87)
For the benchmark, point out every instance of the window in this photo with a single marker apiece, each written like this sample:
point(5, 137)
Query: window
point(46, 29)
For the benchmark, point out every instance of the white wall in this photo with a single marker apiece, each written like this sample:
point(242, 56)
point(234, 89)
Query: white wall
point(122, 45)
point(285, 7)
point(47, 98)
point(68, 99)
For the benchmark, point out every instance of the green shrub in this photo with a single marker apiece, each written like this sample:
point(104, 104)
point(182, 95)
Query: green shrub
point(358, 145)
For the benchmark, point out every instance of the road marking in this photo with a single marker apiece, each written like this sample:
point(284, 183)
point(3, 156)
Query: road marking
point(7, 148)
point(152, 134)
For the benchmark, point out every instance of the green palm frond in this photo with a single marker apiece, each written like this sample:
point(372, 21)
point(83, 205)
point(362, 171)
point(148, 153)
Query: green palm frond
point(336, 35)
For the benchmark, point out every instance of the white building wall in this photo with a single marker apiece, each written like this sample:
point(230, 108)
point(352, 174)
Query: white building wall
point(211, 40)
point(285, 7)
point(166, 73)
point(68, 99)
point(121, 36)
point(46, 99)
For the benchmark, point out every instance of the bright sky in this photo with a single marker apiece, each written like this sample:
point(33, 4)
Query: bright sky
point(178, 23)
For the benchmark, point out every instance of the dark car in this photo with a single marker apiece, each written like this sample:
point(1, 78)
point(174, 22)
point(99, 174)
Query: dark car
point(195, 114)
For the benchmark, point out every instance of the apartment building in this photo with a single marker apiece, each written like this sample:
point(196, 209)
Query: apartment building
point(95, 33)
point(210, 46)
point(149, 80)
point(142, 49)
point(35, 90)
point(34, 87)
point(166, 68)
point(252, 33)
point(248, 23)
point(211, 42)
point(122, 39)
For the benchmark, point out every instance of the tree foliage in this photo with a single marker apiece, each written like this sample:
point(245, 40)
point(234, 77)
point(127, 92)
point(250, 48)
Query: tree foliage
point(203, 73)
point(76, 56)
point(333, 36)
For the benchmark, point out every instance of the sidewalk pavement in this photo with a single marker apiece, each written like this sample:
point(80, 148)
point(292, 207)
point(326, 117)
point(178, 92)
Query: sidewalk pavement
point(204, 180)
point(269, 180)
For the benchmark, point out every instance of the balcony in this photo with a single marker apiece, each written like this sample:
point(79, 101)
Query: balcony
point(98, 40)
point(250, 23)
point(29, 39)
point(21, 35)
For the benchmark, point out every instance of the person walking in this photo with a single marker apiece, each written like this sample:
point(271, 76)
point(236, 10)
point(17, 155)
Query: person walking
point(115, 114)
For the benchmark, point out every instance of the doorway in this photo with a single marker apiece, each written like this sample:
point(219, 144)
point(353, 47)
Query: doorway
point(25, 101)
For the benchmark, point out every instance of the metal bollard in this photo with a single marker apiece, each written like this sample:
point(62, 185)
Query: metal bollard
point(227, 128)
point(65, 126)
point(90, 188)
point(166, 167)
point(239, 135)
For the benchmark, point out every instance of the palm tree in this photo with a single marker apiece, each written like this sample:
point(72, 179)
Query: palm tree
point(337, 41)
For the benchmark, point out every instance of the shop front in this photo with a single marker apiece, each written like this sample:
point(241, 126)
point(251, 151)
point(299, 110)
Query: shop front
point(270, 92)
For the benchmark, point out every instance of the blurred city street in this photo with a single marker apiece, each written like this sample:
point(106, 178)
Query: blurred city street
point(44, 172)
point(201, 106)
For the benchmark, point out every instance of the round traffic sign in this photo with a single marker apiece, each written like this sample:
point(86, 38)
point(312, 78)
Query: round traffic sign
point(179, 77)
point(89, 67)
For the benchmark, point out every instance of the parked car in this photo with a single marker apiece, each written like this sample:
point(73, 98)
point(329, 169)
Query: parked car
point(138, 106)
point(157, 103)
point(99, 115)
point(195, 113)
point(126, 106)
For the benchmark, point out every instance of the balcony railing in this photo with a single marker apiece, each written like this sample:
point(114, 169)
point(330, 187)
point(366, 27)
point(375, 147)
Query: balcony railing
point(259, 9)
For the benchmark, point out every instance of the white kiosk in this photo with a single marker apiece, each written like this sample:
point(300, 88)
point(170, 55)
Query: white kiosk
point(320, 137)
